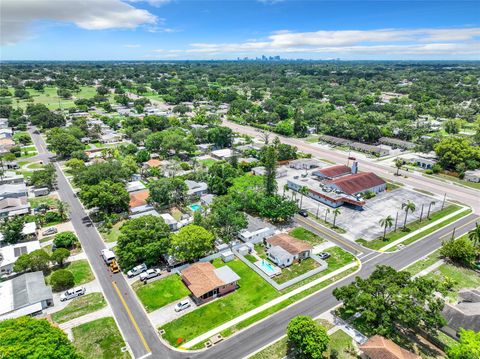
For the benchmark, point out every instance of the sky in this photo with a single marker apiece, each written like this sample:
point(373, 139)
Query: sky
point(203, 30)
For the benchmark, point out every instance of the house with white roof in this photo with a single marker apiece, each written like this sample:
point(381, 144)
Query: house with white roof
point(10, 253)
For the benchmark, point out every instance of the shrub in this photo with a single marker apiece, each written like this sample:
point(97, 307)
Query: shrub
point(60, 255)
point(429, 172)
point(50, 217)
point(65, 240)
point(459, 250)
point(62, 279)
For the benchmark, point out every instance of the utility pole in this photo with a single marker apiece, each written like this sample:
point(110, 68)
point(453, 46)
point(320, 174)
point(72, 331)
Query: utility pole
point(396, 220)
point(318, 208)
point(421, 213)
point(444, 198)
point(453, 232)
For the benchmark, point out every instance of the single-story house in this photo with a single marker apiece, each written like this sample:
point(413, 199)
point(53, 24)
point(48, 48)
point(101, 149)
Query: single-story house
point(304, 163)
point(206, 282)
point(153, 163)
point(222, 154)
point(148, 212)
point(284, 250)
point(374, 150)
point(256, 230)
point(466, 312)
point(10, 207)
point(260, 171)
point(332, 172)
point(395, 142)
point(10, 253)
point(378, 347)
point(472, 176)
point(138, 198)
point(135, 186)
point(10, 177)
point(334, 140)
point(26, 294)
point(196, 188)
point(15, 190)
point(170, 221)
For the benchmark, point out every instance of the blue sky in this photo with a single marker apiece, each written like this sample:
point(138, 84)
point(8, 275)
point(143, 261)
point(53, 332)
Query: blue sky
point(181, 29)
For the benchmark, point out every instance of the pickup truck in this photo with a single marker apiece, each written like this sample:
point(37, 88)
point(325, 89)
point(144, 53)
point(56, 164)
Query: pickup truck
point(149, 274)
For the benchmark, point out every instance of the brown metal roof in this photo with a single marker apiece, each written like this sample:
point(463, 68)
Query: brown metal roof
point(335, 171)
point(378, 347)
point(288, 243)
point(358, 182)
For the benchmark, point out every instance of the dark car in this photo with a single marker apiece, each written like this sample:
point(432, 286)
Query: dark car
point(324, 255)
point(303, 213)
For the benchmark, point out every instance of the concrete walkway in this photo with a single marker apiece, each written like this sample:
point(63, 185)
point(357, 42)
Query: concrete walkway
point(429, 269)
point(265, 306)
point(430, 225)
point(101, 313)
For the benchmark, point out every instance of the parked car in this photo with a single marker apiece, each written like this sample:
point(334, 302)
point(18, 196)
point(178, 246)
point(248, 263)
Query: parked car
point(182, 305)
point(72, 293)
point(324, 255)
point(149, 274)
point(303, 213)
point(137, 270)
point(49, 231)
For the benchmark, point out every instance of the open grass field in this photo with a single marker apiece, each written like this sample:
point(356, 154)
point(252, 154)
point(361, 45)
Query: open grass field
point(113, 234)
point(77, 307)
point(305, 235)
point(80, 269)
point(156, 294)
point(295, 270)
point(99, 339)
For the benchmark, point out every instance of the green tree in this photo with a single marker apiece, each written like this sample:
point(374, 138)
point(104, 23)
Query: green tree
point(75, 164)
point(399, 164)
point(390, 300)
point(45, 177)
point(386, 222)
point(474, 235)
point(220, 177)
point(62, 279)
point(26, 337)
point(108, 196)
point(60, 255)
point(452, 126)
point(408, 206)
point(65, 240)
point(221, 136)
point(454, 151)
point(459, 250)
point(63, 210)
point(270, 162)
point(468, 347)
point(276, 208)
point(63, 142)
point(308, 339)
point(12, 229)
point(191, 242)
point(142, 240)
point(38, 260)
point(335, 212)
point(165, 191)
point(226, 219)
point(303, 191)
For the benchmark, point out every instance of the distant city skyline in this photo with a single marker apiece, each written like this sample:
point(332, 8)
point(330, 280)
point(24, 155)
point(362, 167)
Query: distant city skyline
point(232, 30)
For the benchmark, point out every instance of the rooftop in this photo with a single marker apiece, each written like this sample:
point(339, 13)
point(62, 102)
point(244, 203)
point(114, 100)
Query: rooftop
point(139, 198)
point(289, 244)
point(378, 347)
point(334, 171)
point(356, 183)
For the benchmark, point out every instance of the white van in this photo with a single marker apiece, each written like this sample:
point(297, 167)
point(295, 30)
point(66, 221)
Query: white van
point(108, 256)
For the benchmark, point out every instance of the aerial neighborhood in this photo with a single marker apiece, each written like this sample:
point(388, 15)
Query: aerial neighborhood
point(234, 210)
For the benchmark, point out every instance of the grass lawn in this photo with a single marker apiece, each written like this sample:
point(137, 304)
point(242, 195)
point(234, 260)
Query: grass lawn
point(114, 233)
point(326, 224)
point(176, 213)
point(260, 249)
point(459, 276)
point(424, 263)
point(34, 166)
point(253, 291)
point(251, 258)
point(77, 307)
point(277, 350)
point(80, 269)
point(295, 270)
point(99, 339)
point(342, 343)
point(48, 200)
point(304, 235)
point(413, 226)
point(208, 162)
point(441, 176)
point(156, 294)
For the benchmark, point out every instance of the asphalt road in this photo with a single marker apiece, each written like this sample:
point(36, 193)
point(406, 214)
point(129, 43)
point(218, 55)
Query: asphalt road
point(141, 336)
point(464, 195)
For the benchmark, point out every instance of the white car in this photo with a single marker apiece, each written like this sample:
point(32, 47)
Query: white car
point(149, 274)
point(72, 293)
point(137, 270)
point(182, 305)
point(49, 231)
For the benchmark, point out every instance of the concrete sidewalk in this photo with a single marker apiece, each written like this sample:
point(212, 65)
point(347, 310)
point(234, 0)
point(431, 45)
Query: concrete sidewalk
point(429, 269)
point(101, 313)
point(265, 306)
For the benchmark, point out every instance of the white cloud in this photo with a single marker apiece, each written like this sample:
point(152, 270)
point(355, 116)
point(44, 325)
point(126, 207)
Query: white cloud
point(379, 43)
point(132, 46)
point(18, 16)
point(155, 3)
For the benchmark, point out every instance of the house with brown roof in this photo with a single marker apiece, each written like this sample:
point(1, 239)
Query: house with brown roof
point(332, 172)
point(284, 250)
point(358, 183)
point(138, 198)
point(206, 282)
point(153, 163)
point(378, 347)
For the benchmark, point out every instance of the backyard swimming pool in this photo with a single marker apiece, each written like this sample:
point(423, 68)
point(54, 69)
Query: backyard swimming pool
point(195, 207)
point(268, 268)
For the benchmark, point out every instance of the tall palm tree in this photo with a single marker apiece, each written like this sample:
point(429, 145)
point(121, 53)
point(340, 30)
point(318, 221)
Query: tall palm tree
point(63, 210)
point(303, 191)
point(398, 163)
point(386, 222)
point(474, 235)
point(336, 212)
point(285, 189)
point(407, 206)
point(429, 207)
point(327, 211)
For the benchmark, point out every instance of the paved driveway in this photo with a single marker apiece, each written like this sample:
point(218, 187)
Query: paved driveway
point(167, 313)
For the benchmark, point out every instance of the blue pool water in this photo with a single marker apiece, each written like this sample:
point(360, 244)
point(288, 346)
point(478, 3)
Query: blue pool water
point(267, 268)
point(195, 207)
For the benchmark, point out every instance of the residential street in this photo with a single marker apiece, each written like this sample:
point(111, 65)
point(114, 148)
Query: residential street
point(142, 337)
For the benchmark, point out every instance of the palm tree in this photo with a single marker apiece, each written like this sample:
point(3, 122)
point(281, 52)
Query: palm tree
point(303, 191)
point(327, 211)
point(474, 235)
point(407, 206)
point(398, 163)
point(285, 189)
point(386, 222)
point(429, 207)
point(336, 212)
point(63, 210)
